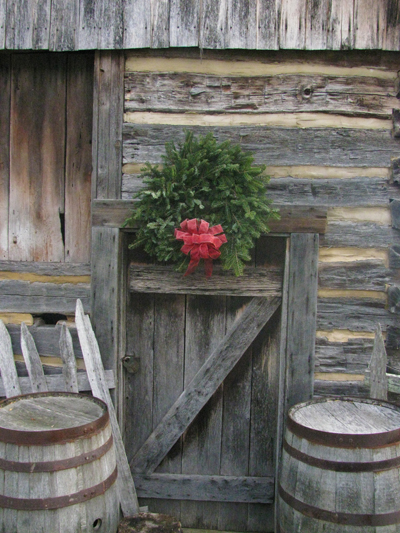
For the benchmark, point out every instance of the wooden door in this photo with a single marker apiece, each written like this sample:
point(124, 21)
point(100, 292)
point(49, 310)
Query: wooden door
point(202, 390)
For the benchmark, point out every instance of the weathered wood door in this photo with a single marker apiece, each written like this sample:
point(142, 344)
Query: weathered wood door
point(202, 391)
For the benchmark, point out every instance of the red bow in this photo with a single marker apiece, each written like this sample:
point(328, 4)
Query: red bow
point(201, 242)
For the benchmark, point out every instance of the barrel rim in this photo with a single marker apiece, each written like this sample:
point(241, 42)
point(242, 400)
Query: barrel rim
point(54, 436)
point(343, 440)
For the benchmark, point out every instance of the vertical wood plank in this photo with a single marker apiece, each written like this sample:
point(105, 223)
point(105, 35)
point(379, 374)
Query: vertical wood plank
point(5, 94)
point(137, 24)
point(19, 25)
point(316, 24)
point(105, 289)
point(88, 31)
point(64, 24)
point(68, 359)
point(78, 163)
point(235, 437)
point(268, 24)
point(293, 24)
point(111, 25)
point(205, 326)
point(41, 25)
point(107, 125)
point(3, 18)
point(241, 25)
point(169, 352)
point(341, 25)
point(302, 305)
point(7, 364)
point(32, 361)
point(377, 366)
point(160, 23)
point(184, 23)
point(369, 24)
point(213, 24)
point(37, 157)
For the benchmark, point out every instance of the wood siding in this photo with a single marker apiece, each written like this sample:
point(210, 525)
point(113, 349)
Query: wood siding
point(324, 129)
point(45, 181)
point(214, 24)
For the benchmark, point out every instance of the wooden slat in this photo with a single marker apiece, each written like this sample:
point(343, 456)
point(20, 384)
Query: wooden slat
point(184, 23)
point(78, 164)
point(5, 91)
point(361, 275)
point(37, 298)
point(203, 385)
point(268, 25)
point(64, 21)
point(377, 367)
point(182, 92)
point(317, 13)
point(302, 306)
point(8, 372)
point(68, 359)
point(18, 24)
point(160, 24)
point(137, 24)
point(206, 488)
point(46, 269)
point(201, 453)
point(41, 25)
point(32, 361)
point(97, 378)
point(56, 383)
point(107, 124)
point(3, 15)
point(368, 33)
point(36, 188)
point(242, 24)
point(340, 26)
point(273, 146)
point(160, 279)
point(113, 213)
point(292, 31)
point(213, 24)
point(358, 234)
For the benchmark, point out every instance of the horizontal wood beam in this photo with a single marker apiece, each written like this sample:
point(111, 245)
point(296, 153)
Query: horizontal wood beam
point(46, 269)
point(302, 219)
point(206, 488)
point(213, 372)
point(256, 281)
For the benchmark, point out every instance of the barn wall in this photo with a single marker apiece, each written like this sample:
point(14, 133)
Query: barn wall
point(323, 125)
point(45, 184)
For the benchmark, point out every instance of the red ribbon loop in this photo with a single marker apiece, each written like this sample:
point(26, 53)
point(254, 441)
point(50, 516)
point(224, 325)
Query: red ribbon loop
point(201, 242)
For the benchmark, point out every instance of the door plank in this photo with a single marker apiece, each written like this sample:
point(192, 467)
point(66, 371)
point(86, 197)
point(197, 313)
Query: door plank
point(204, 384)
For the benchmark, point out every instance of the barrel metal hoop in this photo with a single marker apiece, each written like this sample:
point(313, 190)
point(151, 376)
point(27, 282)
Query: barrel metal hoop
point(54, 436)
point(61, 464)
point(374, 520)
point(339, 466)
point(59, 502)
point(343, 440)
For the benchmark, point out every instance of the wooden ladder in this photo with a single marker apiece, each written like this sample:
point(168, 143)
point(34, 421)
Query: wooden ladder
point(71, 381)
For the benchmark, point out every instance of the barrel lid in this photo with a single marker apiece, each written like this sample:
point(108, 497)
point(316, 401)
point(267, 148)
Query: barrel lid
point(47, 418)
point(346, 422)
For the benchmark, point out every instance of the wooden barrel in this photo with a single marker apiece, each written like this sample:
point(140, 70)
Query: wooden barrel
point(340, 468)
point(57, 465)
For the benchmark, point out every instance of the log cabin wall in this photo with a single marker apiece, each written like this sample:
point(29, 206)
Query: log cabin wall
point(325, 127)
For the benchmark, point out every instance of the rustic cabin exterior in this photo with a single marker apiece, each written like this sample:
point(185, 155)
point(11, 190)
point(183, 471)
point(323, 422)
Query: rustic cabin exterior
point(89, 91)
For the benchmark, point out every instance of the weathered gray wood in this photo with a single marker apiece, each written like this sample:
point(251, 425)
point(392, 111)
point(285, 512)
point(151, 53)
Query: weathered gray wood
point(396, 123)
point(206, 488)
point(377, 368)
point(394, 256)
point(203, 385)
point(5, 91)
point(56, 383)
point(63, 24)
point(7, 367)
point(36, 297)
point(340, 388)
point(242, 24)
point(46, 269)
point(107, 124)
point(394, 298)
point(113, 213)
point(358, 234)
point(68, 358)
point(361, 275)
point(273, 146)
point(160, 24)
point(137, 24)
point(282, 93)
point(95, 370)
point(356, 314)
point(32, 361)
point(268, 24)
point(395, 170)
point(18, 24)
point(213, 24)
point(352, 356)
point(201, 447)
point(395, 212)
point(316, 23)
point(161, 279)
point(302, 310)
point(41, 24)
point(292, 33)
point(184, 22)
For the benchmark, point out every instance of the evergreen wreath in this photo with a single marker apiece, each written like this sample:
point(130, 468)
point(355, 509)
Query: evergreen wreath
point(203, 179)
